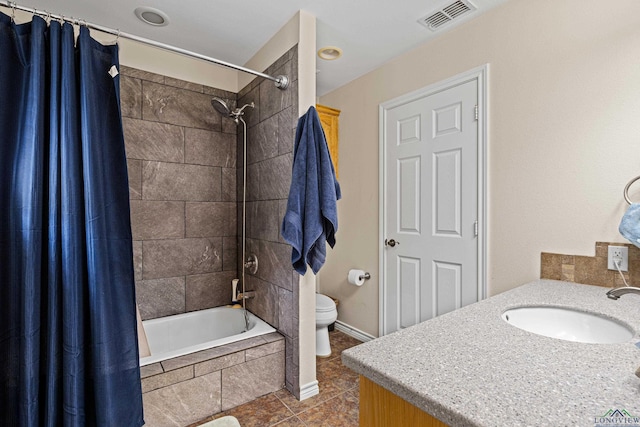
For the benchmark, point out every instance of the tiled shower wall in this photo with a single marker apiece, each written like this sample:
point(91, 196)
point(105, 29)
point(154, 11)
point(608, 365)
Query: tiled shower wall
point(271, 130)
point(182, 175)
point(185, 177)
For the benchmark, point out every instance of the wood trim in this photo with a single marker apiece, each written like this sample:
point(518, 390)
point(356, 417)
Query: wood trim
point(381, 408)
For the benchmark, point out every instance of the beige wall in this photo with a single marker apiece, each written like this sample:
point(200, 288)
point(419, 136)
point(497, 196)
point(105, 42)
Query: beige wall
point(564, 137)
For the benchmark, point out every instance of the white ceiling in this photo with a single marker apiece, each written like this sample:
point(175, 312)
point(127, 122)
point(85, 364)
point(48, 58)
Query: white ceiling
point(370, 32)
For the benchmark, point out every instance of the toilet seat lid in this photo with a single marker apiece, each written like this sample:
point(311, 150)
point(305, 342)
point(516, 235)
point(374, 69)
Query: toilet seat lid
point(324, 303)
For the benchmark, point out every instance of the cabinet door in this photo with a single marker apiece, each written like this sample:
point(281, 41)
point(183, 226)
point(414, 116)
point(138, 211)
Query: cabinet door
point(329, 119)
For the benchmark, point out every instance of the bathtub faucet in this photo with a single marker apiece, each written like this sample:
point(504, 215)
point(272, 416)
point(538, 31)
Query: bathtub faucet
point(618, 292)
point(246, 295)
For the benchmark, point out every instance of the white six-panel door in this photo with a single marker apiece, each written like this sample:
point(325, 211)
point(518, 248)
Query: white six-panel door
point(430, 257)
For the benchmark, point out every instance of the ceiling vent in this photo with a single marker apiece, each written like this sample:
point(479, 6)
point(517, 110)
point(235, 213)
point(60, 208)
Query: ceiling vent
point(447, 14)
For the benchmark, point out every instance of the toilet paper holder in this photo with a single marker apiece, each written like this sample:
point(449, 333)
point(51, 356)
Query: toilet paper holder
point(365, 276)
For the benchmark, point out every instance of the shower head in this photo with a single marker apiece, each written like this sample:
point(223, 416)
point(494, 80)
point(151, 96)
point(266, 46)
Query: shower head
point(223, 108)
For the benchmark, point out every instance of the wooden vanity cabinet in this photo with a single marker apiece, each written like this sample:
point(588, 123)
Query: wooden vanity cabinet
point(381, 408)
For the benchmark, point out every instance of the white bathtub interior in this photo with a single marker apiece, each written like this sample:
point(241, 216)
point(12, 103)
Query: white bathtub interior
point(181, 334)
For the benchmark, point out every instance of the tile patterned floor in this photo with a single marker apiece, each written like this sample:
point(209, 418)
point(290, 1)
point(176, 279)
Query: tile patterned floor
point(335, 406)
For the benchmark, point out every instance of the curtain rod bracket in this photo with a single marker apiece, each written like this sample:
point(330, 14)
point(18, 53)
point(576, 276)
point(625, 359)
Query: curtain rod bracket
point(282, 82)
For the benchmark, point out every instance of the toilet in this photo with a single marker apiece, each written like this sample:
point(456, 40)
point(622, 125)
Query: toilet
point(326, 314)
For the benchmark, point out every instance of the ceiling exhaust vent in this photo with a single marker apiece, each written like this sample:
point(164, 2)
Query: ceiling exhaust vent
point(447, 14)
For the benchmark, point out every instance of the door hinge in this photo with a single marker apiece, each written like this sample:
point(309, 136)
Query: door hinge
point(475, 228)
point(475, 112)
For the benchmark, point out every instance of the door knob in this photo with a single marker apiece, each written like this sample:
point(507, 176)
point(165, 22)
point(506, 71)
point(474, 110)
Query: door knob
point(390, 242)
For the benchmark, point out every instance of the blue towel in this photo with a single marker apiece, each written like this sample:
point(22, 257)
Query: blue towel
point(630, 224)
point(311, 219)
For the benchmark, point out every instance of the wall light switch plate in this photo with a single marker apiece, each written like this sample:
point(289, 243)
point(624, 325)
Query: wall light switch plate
point(621, 253)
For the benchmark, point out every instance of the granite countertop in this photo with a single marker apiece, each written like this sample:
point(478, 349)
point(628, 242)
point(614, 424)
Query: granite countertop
point(470, 368)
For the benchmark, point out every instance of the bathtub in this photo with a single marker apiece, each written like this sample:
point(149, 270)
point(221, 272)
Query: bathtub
point(181, 334)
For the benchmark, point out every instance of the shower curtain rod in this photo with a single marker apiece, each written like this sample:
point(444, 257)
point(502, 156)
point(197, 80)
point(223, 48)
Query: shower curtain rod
point(281, 82)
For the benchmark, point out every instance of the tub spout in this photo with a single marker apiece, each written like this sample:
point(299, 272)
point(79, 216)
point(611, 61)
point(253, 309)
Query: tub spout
point(618, 292)
point(246, 295)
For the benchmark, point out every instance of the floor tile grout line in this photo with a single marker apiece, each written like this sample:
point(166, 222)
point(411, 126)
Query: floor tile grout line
point(297, 416)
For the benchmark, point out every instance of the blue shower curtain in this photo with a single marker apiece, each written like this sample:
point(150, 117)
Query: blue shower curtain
point(68, 343)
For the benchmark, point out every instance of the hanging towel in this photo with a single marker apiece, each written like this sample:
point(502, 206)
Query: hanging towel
point(630, 224)
point(311, 219)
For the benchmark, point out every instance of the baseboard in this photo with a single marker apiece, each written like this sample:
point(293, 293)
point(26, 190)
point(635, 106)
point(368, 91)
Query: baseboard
point(309, 390)
point(353, 332)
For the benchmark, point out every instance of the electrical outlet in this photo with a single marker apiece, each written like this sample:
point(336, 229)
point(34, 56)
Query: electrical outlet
point(620, 253)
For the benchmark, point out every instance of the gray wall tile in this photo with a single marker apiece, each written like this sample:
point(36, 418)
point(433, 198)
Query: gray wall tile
point(130, 97)
point(264, 141)
point(291, 368)
point(204, 147)
point(265, 303)
point(230, 254)
point(253, 183)
point(282, 210)
point(161, 297)
point(275, 263)
point(157, 220)
point(180, 107)
point(263, 221)
point(245, 382)
point(287, 122)
point(209, 290)
point(137, 260)
point(275, 177)
point(211, 219)
point(230, 126)
point(211, 353)
point(167, 378)
point(285, 312)
point(171, 181)
point(134, 170)
point(229, 185)
point(183, 403)
point(181, 257)
point(153, 141)
point(273, 336)
point(149, 370)
point(272, 99)
point(264, 350)
point(219, 363)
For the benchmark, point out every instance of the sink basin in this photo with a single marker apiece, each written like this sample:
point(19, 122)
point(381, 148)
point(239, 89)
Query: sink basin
point(567, 324)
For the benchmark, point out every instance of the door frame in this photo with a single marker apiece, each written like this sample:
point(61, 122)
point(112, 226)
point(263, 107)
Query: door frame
point(481, 75)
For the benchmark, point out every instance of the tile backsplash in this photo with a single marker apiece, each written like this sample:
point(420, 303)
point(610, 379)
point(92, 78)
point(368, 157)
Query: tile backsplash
point(590, 270)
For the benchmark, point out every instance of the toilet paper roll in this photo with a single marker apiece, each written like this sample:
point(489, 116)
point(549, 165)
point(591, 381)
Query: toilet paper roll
point(356, 277)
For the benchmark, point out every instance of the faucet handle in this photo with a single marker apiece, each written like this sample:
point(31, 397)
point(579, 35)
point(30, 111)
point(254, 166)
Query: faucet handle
point(246, 295)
